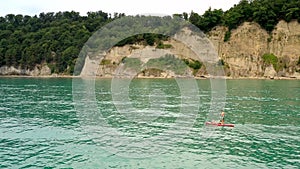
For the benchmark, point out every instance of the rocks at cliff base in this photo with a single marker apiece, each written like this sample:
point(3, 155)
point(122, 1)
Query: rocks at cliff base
point(270, 72)
point(43, 70)
point(5, 70)
point(295, 75)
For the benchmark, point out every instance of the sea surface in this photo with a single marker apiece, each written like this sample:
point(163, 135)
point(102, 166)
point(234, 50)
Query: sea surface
point(148, 123)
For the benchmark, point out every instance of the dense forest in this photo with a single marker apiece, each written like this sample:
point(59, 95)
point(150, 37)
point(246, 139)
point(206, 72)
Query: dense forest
point(57, 38)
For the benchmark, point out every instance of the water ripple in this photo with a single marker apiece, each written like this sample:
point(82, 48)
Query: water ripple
point(40, 128)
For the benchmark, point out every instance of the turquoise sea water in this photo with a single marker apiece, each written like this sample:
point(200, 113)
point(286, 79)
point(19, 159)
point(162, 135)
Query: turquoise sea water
point(43, 126)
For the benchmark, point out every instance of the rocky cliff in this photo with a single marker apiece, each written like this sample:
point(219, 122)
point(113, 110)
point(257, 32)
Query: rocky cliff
point(116, 57)
point(249, 42)
point(242, 55)
point(39, 70)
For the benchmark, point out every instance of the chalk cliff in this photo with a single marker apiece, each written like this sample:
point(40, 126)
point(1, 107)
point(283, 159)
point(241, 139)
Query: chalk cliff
point(241, 55)
point(39, 70)
point(249, 42)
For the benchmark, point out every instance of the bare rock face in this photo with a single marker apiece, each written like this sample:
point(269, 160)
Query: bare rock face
point(110, 64)
point(295, 75)
point(6, 70)
point(35, 72)
point(89, 67)
point(243, 51)
point(242, 54)
point(270, 72)
point(249, 42)
point(45, 70)
point(285, 41)
point(116, 54)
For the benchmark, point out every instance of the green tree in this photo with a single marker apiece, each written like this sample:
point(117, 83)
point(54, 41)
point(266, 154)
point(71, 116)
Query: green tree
point(210, 19)
point(56, 38)
point(70, 54)
point(270, 59)
point(11, 56)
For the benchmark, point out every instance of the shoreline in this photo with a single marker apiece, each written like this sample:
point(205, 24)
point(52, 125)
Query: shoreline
point(145, 77)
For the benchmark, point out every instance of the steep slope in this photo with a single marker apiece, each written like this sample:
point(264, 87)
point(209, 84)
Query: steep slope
point(243, 53)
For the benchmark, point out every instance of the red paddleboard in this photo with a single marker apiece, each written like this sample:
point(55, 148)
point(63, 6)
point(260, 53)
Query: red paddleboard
point(219, 124)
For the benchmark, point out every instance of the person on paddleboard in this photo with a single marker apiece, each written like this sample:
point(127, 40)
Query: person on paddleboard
point(222, 120)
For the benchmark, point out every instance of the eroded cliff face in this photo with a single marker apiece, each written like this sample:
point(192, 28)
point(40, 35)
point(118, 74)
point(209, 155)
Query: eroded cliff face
point(39, 70)
point(285, 44)
point(249, 42)
point(242, 54)
point(111, 64)
point(243, 51)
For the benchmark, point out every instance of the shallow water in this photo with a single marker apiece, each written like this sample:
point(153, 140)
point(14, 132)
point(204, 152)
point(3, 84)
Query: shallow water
point(154, 125)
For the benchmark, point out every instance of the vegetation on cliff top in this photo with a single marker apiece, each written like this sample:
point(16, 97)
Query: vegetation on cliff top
point(267, 13)
point(57, 38)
